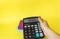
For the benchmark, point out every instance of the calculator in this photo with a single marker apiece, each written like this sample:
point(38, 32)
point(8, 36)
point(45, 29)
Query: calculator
point(31, 28)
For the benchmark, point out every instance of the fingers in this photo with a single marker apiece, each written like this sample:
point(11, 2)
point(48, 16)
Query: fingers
point(40, 19)
point(46, 29)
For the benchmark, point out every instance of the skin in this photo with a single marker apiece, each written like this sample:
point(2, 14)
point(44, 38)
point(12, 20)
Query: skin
point(49, 33)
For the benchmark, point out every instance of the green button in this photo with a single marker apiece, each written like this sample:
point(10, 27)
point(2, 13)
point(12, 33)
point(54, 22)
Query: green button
point(37, 35)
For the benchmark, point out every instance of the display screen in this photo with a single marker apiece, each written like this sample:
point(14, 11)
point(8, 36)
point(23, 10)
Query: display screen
point(30, 20)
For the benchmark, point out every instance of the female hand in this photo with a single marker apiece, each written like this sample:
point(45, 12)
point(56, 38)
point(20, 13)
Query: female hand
point(49, 33)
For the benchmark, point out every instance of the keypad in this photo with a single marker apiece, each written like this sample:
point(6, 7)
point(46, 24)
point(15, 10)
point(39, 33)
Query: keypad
point(32, 31)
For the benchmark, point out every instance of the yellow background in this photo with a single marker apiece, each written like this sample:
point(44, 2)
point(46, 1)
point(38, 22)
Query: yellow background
point(12, 11)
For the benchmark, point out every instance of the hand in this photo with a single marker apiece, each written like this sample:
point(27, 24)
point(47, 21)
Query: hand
point(49, 33)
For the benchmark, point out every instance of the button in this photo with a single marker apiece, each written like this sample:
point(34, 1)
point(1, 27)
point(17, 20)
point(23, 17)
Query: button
point(33, 33)
point(37, 35)
point(36, 31)
point(32, 30)
point(39, 27)
point(31, 25)
point(40, 31)
point(28, 26)
point(25, 26)
point(26, 37)
point(29, 33)
point(29, 30)
point(29, 36)
point(35, 25)
point(38, 23)
point(25, 33)
point(41, 34)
